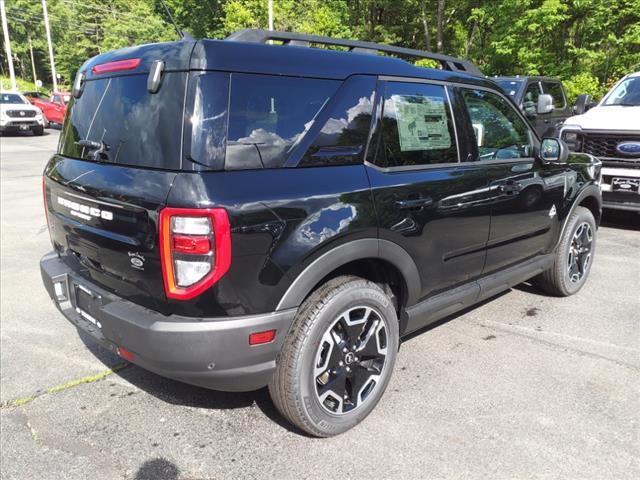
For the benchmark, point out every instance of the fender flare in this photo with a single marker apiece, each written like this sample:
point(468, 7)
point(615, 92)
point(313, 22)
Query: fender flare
point(591, 190)
point(348, 252)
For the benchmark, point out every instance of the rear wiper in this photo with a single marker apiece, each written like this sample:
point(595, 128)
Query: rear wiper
point(97, 150)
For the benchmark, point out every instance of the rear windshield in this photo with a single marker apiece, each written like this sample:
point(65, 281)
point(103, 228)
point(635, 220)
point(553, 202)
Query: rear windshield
point(510, 87)
point(136, 127)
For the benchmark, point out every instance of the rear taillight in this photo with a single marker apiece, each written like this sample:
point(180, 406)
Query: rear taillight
point(195, 249)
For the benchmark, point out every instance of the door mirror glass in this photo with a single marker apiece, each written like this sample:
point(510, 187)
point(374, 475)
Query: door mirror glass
point(554, 150)
point(545, 103)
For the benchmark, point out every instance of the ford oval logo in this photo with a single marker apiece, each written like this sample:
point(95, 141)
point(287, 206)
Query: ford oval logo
point(629, 148)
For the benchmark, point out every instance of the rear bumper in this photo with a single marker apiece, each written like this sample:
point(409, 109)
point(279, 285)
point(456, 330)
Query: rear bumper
point(208, 352)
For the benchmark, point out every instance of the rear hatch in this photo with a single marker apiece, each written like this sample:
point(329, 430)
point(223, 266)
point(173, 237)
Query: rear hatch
point(103, 202)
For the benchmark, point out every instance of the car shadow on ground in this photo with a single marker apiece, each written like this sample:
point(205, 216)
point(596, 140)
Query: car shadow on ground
point(183, 394)
point(28, 133)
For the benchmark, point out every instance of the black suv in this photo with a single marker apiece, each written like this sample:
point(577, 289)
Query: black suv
point(542, 99)
point(235, 214)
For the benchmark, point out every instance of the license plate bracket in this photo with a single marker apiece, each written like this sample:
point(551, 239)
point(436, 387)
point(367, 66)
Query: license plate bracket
point(625, 184)
point(87, 304)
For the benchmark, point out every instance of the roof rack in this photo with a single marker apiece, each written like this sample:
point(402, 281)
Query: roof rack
point(304, 40)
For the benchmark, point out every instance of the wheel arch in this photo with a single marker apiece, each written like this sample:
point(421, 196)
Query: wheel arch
point(373, 259)
point(591, 198)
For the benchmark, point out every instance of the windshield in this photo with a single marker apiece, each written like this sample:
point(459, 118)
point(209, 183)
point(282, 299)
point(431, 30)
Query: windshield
point(626, 93)
point(11, 98)
point(510, 87)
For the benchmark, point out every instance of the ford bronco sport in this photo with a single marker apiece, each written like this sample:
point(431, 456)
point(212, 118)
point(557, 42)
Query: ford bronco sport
point(236, 214)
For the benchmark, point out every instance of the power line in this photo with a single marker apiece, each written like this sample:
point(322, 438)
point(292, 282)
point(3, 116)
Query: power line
point(101, 9)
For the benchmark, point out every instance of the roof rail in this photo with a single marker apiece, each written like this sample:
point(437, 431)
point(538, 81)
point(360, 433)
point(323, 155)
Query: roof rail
point(304, 40)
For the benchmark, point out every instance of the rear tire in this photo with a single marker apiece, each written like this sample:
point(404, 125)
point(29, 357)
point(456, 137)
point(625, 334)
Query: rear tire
point(338, 357)
point(573, 257)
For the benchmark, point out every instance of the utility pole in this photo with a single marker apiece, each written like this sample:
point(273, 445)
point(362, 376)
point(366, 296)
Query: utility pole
point(7, 45)
point(48, 30)
point(33, 63)
point(270, 14)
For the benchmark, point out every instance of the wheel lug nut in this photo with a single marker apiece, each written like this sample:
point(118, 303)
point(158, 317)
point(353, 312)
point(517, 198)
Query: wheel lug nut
point(341, 363)
point(348, 369)
point(345, 350)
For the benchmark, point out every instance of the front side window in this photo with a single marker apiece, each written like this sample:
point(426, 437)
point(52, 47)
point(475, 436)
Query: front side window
point(555, 90)
point(530, 100)
point(417, 127)
point(500, 132)
point(268, 115)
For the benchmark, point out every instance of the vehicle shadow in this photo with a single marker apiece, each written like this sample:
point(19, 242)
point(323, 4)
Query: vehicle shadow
point(621, 219)
point(157, 469)
point(24, 134)
point(183, 394)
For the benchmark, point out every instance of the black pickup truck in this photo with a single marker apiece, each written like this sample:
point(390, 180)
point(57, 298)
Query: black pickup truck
point(542, 99)
point(236, 214)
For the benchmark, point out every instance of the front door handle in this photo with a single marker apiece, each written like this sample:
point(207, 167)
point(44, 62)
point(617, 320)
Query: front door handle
point(414, 204)
point(509, 188)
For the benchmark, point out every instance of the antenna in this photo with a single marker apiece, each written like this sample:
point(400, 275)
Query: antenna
point(181, 34)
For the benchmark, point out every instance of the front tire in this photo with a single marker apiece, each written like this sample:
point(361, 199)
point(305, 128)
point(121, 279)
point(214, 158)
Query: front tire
point(38, 131)
point(338, 357)
point(573, 257)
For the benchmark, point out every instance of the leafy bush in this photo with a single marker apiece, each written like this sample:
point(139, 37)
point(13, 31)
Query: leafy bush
point(583, 83)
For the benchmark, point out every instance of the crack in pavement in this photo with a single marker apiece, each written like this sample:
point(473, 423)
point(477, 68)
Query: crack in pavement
point(64, 386)
point(535, 335)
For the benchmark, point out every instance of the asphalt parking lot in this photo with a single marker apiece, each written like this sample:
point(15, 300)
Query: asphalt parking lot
point(523, 386)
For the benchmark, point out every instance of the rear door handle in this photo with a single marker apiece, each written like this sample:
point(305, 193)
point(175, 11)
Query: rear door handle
point(412, 204)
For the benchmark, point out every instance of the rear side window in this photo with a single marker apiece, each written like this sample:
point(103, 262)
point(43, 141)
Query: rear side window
point(268, 115)
point(555, 90)
point(136, 127)
point(345, 129)
point(417, 126)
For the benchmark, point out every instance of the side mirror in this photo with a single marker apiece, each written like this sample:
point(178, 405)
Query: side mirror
point(545, 103)
point(553, 150)
point(583, 103)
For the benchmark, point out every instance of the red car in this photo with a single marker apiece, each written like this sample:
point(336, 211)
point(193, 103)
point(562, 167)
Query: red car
point(53, 107)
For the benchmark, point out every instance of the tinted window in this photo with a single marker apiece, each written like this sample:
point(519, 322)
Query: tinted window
point(343, 136)
point(268, 115)
point(137, 127)
point(208, 119)
point(510, 87)
point(417, 128)
point(555, 90)
point(500, 132)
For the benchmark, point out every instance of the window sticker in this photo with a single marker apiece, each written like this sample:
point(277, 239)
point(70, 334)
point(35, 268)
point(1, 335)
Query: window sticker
point(422, 123)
